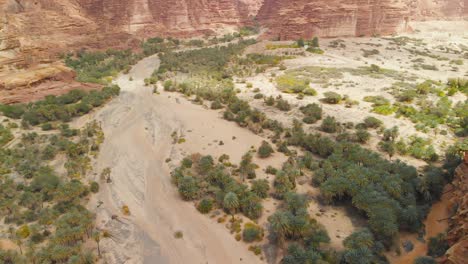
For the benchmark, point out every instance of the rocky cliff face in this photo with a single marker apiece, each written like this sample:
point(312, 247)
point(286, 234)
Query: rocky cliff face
point(33, 32)
point(429, 9)
point(178, 17)
point(457, 235)
point(304, 18)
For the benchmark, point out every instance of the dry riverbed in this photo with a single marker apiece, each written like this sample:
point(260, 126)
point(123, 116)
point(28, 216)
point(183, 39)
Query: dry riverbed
point(141, 153)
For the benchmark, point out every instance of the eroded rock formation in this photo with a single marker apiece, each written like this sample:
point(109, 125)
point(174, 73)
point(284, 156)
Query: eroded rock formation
point(442, 9)
point(304, 18)
point(34, 32)
point(457, 235)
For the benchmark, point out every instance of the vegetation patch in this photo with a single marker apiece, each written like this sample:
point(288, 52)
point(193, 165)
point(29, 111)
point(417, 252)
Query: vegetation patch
point(59, 108)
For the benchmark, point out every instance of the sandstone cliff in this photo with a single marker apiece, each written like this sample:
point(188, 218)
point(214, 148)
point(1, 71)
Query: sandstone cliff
point(457, 235)
point(442, 9)
point(34, 32)
point(304, 18)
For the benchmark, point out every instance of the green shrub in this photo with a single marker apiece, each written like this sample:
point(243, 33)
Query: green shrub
point(265, 150)
point(291, 84)
point(205, 206)
point(46, 126)
point(5, 135)
point(315, 50)
point(13, 111)
point(362, 136)
point(372, 122)
point(258, 96)
point(332, 98)
point(168, 86)
point(310, 92)
point(460, 84)
point(94, 187)
point(283, 105)
point(23, 231)
point(188, 188)
point(329, 125)
point(424, 260)
point(312, 112)
point(374, 68)
point(437, 246)
point(377, 100)
point(270, 101)
point(407, 96)
point(261, 187)
point(271, 170)
point(368, 53)
point(384, 109)
point(252, 233)
point(216, 105)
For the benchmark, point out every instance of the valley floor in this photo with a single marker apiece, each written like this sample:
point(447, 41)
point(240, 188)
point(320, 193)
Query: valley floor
point(138, 127)
point(141, 153)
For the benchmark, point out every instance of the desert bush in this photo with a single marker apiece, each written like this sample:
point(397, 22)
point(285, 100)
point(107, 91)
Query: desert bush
point(310, 92)
point(260, 188)
point(205, 206)
point(283, 104)
point(291, 84)
point(368, 53)
point(332, 98)
point(258, 96)
point(329, 125)
point(94, 187)
point(424, 260)
point(362, 136)
point(312, 112)
point(216, 105)
point(372, 122)
point(437, 246)
point(188, 188)
point(252, 233)
point(265, 150)
point(270, 101)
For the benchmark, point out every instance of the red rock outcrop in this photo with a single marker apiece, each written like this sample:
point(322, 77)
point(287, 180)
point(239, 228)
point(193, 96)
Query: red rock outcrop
point(34, 32)
point(457, 235)
point(305, 18)
point(442, 9)
point(160, 17)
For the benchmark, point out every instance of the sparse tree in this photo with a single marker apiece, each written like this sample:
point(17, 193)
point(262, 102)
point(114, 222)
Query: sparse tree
point(231, 203)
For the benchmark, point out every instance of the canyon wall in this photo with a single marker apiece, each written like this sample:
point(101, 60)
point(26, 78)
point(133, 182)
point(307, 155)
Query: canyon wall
point(457, 234)
point(177, 18)
point(441, 9)
point(34, 32)
point(305, 18)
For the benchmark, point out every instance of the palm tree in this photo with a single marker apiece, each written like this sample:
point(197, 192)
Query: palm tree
point(231, 203)
point(97, 238)
point(279, 224)
point(245, 165)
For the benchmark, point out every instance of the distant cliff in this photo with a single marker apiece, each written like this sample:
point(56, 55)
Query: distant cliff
point(34, 32)
point(303, 18)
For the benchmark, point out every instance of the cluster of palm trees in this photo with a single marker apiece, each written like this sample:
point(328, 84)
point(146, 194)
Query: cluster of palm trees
point(43, 208)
